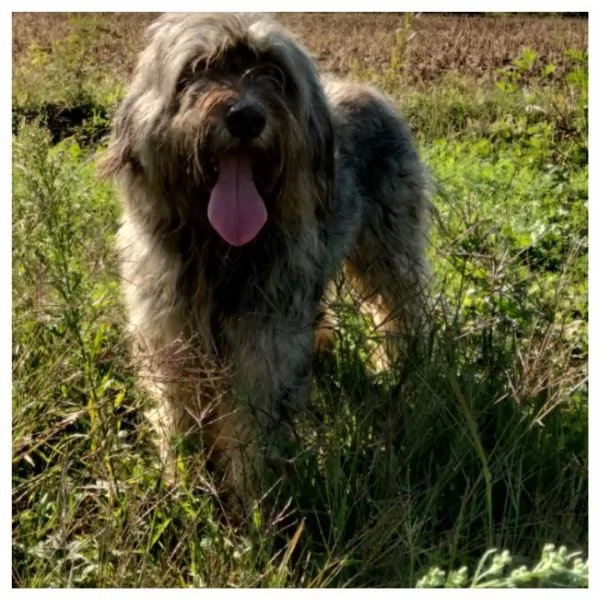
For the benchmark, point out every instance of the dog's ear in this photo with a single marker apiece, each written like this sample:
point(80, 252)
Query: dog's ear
point(118, 154)
point(306, 87)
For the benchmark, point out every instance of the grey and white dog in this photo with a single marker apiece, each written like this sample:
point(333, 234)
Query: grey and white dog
point(248, 183)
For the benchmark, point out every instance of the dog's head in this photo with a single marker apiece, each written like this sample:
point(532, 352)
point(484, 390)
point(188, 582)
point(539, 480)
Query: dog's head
point(231, 108)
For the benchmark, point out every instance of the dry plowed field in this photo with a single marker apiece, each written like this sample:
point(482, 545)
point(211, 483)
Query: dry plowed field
point(432, 44)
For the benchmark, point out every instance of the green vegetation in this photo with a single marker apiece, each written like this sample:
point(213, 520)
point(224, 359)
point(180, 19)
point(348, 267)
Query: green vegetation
point(477, 442)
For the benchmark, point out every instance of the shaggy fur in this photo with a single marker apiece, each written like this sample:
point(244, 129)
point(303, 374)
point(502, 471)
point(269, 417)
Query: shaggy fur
point(224, 334)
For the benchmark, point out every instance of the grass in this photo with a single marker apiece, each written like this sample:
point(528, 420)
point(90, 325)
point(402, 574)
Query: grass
point(478, 441)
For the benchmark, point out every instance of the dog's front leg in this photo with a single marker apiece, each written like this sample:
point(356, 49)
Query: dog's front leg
point(270, 371)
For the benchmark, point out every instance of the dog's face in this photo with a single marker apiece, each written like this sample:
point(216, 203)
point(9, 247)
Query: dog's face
point(231, 108)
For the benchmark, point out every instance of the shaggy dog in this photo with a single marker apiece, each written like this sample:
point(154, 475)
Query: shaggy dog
point(247, 184)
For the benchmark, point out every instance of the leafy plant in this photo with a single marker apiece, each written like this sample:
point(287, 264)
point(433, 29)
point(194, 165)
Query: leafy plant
point(556, 568)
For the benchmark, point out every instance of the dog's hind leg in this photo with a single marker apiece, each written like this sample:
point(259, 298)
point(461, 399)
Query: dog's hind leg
point(388, 268)
point(379, 167)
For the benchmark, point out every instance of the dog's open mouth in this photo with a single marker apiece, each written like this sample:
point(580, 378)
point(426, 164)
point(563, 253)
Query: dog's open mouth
point(236, 210)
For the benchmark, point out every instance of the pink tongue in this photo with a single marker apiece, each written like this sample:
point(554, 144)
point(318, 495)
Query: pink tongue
point(235, 209)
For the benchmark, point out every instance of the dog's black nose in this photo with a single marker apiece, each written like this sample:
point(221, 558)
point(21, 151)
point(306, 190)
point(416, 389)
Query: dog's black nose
point(246, 120)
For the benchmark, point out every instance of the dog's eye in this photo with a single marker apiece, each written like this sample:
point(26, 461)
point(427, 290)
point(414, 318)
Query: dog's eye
point(270, 74)
point(193, 83)
point(192, 75)
point(182, 85)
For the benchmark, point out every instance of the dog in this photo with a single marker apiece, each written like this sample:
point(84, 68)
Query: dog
point(248, 184)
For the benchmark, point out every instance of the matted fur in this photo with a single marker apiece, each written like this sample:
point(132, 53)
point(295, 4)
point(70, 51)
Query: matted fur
point(224, 336)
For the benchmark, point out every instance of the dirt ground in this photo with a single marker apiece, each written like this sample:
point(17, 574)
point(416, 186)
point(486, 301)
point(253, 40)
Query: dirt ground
point(428, 44)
